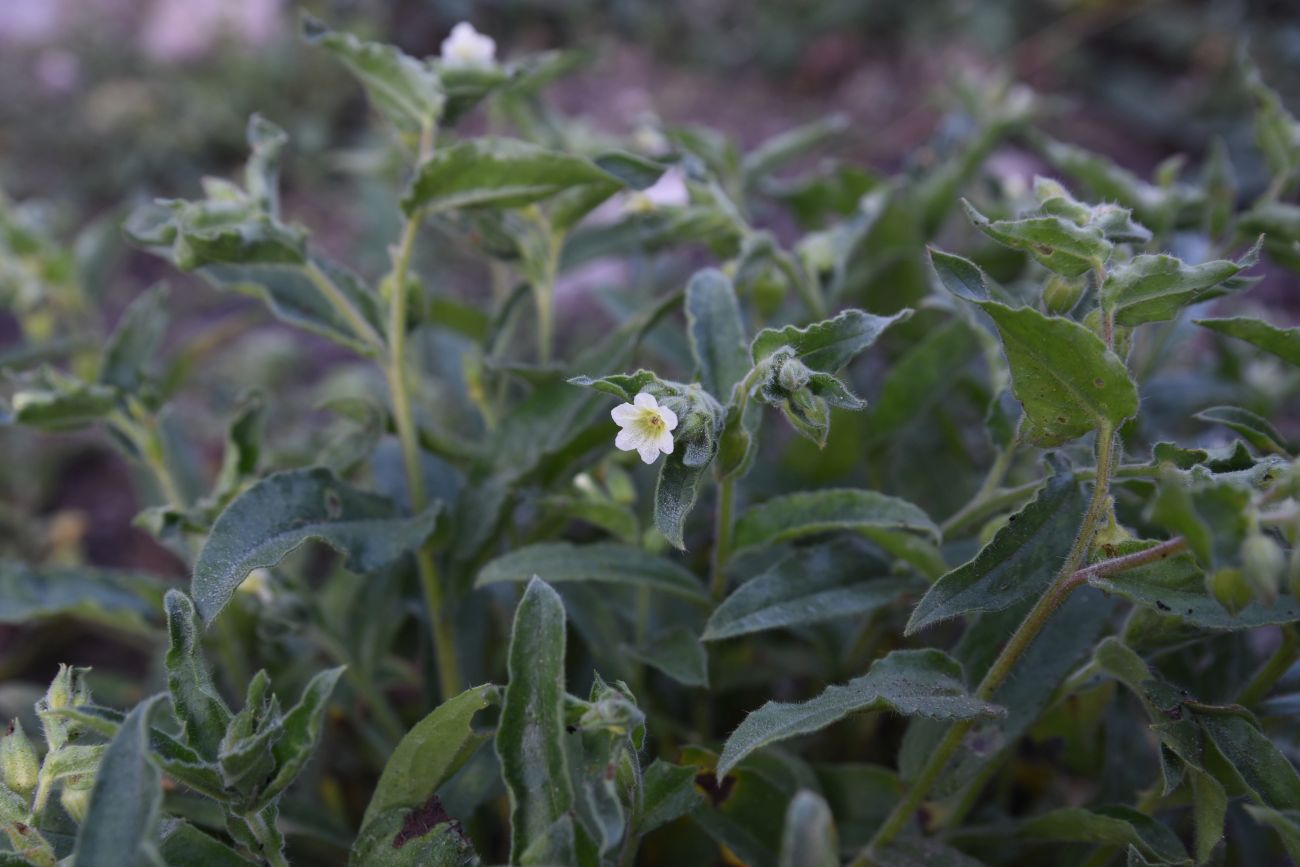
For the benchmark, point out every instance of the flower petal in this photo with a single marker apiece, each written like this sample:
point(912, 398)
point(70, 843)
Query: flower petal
point(664, 442)
point(645, 400)
point(629, 439)
point(670, 417)
point(649, 452)
point(625, 414)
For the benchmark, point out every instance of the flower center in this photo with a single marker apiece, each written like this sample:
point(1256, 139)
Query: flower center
point(653, 420)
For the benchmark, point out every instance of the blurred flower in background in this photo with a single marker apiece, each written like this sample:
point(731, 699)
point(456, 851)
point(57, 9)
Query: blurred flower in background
point(183, 30)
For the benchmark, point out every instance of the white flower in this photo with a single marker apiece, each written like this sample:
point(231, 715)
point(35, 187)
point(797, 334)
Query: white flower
point(668, 192)
point(466, 48)
point(646, 427)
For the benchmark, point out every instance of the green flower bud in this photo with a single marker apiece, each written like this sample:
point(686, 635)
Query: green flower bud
point(793, 375)
point(68, 689)
point(1230, 588)
point(1061, 294)
point(75, 796)
point(19, 764)
point(1263, 563)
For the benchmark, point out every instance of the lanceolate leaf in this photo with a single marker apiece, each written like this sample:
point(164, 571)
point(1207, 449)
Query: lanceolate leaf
point(910, 682)
point(794, 515)
point(126, 797)
point(1113, 826)
point(497, 173)
point(132, 349)
point(407, 91)
point(199, 707)
point(1018, 563)
point(1067, 380)
point(675, 494)
point(830, 344)
point(434, 749)
point(286, 509)
point(609, 562)
point(1282, 342)
point(121, 600)
point(1155, 288)
point(717, 332)
point(843, 578)
point(302, 730)
point(1175, 587)
point(1257, 431)
point(530, 735)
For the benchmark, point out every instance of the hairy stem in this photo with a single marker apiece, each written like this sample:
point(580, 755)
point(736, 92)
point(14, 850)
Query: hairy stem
point(722, 538)
point(1067, 579)
point(359, 324)
point(1272, 670)
point(441, 627)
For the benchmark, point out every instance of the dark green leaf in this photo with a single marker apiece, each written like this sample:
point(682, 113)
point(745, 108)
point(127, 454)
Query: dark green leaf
point(667, 792)
point(609, 562)
point(302, 729)
point(530, 735)
point(126, 797)
point(286, 509)
point(1282, 342)
point(434, 749)
point(132, 348)
point(843, 578)
point(910, 682)
point(407, 91)
point(1257, 431)
point(830, 344)
point(792, 516)
point(121, 600)
point(1017, 564)
point(676, 652)
point(200, 709)
point(717, 333)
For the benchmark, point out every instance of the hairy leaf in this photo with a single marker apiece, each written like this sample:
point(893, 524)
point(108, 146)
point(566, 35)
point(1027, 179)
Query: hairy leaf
point(792, 516)
point(609, 562)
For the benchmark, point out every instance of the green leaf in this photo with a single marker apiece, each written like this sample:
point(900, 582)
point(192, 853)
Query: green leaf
point(530, 735)
point(910, 682)
point(132, 348)
point(424, 836)
point(790, 144)
point(1285, 822)
point(1209, 810)
point(792, 516)
point(1154, 288)
point(676, 491)
point(809, 839)
point(202, 713)
point(1254, 764)
point(1282, 342)
point(1277, 132)
point(1063, 375)
point(1257, 431)
point(676, 652)
point(843, 578)
point(496, 173)
point(121, 600)
point(827, 345)
point(1060, 244)
point(717, 332)
point(302, 728)
point(125, 800)
point(1175, 587)
point(408, 92)
point(434, 749)
point(183, 845)
point(608, 562)
point(285, 510)
point(1111, 826)
point(69, 405)
point(1017, 564)
point(667, 793)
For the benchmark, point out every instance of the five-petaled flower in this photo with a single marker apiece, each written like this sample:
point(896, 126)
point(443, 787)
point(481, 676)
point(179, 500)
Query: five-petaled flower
point(646, 427)
point(466, 48)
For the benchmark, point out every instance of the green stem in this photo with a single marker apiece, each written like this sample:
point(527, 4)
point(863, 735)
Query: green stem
point(544, 293)
point(269, 844)
point(1268, 675)
point(1065, 582)
point(441, 627)
point(359, 324)
point(722, 538)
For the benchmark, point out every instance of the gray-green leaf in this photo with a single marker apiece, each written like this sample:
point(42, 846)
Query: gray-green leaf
point(609, 562)
point(792, 516)
point(287, 509)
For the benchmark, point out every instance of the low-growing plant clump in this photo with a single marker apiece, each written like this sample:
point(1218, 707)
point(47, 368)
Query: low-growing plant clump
point(670, 589)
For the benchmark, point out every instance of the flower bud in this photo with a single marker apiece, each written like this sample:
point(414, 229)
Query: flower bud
point(1061, 294)
point(1230, 588)
point(793, 375)
point(75, 797)
point(19, 764)
point(1262, 564)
